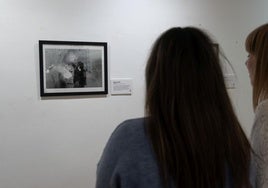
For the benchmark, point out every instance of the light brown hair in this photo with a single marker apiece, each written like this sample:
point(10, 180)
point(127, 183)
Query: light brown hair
point(194, 131)
point(257, 45)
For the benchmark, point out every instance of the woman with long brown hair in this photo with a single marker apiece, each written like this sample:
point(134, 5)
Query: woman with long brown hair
point(257, 64)
point(190, 137)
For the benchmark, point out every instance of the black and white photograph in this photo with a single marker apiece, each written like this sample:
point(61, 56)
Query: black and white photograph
point(72, 68)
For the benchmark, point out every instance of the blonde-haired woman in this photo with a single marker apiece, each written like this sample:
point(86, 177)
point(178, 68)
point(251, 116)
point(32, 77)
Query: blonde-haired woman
point(257, 64)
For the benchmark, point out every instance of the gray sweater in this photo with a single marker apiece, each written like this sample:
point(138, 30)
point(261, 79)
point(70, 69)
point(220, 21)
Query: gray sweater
point(259, 139)
point(128, 160)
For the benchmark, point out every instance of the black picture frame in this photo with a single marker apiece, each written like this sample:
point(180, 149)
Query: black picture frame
point(72, 68)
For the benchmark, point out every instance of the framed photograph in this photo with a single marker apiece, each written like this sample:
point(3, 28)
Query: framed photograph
point(73, 68)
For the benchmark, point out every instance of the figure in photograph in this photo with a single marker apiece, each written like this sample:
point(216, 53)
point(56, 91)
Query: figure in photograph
point(80, 75)
point(61, 74)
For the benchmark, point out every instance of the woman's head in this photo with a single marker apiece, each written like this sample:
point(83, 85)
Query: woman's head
point(257, 46)
point(183, 68)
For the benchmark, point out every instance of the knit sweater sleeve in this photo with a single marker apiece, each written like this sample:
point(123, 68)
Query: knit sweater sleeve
point(260, 145)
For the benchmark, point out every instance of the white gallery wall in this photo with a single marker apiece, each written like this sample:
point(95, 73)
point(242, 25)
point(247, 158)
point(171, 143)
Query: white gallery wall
point(57, 142)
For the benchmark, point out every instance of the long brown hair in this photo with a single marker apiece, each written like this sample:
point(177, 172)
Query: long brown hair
point(257, 44)
point(191, 123)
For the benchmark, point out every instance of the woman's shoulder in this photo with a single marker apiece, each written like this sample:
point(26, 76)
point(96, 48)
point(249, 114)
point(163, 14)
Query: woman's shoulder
point(127, 141)
point(128, 158)
point(261, 112)
point(130, 125)
point(262, 106)
point(129, 130)
point(124, 138)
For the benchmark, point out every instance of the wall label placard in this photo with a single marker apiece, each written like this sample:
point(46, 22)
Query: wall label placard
point(121, 86)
